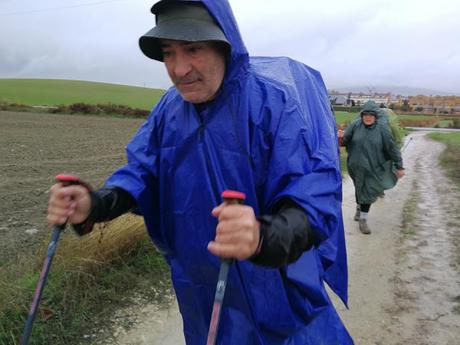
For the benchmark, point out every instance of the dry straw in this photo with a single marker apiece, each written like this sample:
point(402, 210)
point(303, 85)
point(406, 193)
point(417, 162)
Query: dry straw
point(106, 242)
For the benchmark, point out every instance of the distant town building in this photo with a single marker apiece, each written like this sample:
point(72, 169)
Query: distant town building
point(338, 99)
point(441, 105)
point(435, 105)
point(351, 98)
point(424, 108)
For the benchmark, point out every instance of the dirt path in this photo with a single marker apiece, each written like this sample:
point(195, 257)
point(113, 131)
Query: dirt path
point(404, 278)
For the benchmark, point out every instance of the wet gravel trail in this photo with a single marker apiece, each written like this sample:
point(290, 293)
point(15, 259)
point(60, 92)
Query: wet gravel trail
point(404, 278)
point(427, 281)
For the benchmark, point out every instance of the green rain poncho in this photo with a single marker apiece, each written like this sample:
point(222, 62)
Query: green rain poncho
point(373, 156)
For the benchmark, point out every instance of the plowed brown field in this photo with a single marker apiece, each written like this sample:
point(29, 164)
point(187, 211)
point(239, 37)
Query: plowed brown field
point(34, 147)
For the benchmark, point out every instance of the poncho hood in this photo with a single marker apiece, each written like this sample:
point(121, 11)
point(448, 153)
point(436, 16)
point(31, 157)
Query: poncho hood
point(370, 106)
point(239, 59)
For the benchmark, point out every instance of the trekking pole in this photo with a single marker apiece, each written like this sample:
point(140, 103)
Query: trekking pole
point(407, 144)
point(230, 197)
point(65, 180)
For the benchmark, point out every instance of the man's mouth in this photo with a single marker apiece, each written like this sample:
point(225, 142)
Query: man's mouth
point(187, 82)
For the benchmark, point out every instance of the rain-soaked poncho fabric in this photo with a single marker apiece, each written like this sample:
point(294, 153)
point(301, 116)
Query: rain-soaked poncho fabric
point(373, 156)
point(269, 133)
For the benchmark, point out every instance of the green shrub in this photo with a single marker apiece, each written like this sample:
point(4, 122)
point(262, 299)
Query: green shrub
point(455, 123)
point(95, 109)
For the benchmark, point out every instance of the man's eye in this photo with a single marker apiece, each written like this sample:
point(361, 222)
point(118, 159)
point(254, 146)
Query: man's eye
point(194, 49)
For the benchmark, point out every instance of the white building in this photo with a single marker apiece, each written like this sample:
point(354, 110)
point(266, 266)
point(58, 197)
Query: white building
point(361, 97)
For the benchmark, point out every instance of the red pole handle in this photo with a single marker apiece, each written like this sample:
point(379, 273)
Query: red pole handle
point(233, 196)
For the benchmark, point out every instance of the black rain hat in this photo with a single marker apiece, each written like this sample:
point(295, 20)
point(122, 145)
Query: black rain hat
point(184, 21)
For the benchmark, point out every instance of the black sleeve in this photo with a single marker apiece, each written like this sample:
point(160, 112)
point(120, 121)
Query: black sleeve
point(109, 203)
point(284, 235)
point(106, 204)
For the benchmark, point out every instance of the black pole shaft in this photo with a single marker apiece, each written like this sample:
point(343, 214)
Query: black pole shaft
point(220, 289)
point(41, 284)
point(218, 299)
point(407, 144)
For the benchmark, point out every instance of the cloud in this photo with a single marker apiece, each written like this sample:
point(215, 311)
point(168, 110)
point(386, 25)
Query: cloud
point(90, 43)
point(407, 42)
point(397, 42)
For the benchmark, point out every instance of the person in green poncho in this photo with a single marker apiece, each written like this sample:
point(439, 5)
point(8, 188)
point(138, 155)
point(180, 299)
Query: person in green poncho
point(374, 159)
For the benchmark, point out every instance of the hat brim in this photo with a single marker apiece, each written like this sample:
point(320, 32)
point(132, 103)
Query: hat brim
point(369, 112)
point(181, 30)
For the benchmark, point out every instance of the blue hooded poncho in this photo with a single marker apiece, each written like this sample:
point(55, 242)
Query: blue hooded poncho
point(270, 134)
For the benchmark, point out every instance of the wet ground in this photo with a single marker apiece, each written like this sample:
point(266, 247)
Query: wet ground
point(404, 279)
point(404, 285)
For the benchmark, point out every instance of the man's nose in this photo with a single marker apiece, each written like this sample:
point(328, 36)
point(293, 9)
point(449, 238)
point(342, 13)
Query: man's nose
point(182, 66)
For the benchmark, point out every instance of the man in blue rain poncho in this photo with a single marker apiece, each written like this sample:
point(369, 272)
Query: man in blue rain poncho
point(262, 126)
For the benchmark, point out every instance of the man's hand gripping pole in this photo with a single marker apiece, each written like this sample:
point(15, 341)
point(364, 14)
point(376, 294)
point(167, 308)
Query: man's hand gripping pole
point(66, 180)
point(230, 197)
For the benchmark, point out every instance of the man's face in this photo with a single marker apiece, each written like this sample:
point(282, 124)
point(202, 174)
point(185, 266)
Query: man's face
point(196, 68)
point(368, 118)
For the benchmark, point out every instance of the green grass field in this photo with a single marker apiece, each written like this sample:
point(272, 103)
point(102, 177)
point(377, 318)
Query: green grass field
point(56, 92)
point(450, 158)
point(417, 117)
point(450, 139)
point(343, 117)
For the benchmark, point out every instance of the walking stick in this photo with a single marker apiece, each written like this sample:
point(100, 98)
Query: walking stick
point(407, 144)
point(230, 197)
point(65, 180)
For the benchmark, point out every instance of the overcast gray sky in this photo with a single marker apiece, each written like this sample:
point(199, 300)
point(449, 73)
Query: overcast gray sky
point(414, 43)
